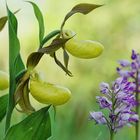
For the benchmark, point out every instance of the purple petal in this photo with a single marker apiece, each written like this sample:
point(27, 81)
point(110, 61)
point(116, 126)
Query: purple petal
point(98, 117)
point(104, 102)
point(104, 88)
point(134, 55)
point(124, 63)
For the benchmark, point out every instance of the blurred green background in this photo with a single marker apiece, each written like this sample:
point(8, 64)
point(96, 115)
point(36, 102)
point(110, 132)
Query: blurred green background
point(116, 25)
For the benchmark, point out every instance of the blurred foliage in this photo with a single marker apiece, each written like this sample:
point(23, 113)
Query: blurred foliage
point(116, 25)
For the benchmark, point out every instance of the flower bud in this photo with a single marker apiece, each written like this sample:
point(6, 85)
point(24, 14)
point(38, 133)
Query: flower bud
point(84, 48)
point(4, 83)
point(48, 93)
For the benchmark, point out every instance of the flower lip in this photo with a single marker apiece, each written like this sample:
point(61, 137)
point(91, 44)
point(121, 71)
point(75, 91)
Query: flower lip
point(98, 117)
point(104, 102)
point(104, 88)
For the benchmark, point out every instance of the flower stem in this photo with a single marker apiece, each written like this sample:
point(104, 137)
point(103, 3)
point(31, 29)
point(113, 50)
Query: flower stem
point(137, 123)
point(137, 109)
point(111, 135)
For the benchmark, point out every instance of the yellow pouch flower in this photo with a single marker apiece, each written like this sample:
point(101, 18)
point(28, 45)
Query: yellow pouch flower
point(84, 48)
point(48, 93)
point(4, 80)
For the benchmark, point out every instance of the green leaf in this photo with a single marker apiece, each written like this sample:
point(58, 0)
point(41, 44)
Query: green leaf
point(3, 106)
point(19, 65)
point(83, 8)
point(49, 36)
point(40, 20)
point(37, 126)
point(52, 112)
point(15, 62)
point(3, 21)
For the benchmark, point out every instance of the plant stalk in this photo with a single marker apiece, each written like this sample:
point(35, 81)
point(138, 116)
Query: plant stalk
point(111, 135)
point(137, 108)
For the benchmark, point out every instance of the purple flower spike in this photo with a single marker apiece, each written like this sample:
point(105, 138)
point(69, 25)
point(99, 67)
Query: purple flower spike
point(129, 69)
point(98, 117)
point(120, 101)
point(119, 98)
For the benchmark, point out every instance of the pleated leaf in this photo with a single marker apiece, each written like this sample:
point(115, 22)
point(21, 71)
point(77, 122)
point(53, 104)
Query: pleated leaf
point(37, 126)
point(15, 62)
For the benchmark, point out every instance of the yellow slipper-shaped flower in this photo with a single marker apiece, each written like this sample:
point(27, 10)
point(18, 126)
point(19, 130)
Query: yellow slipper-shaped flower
point(48, 93)
point(82, 48)
point(4, 80)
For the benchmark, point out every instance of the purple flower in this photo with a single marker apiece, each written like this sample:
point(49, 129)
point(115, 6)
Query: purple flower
point(120, 101)
point(122, 85)
point(124, 63)
point(104, 88)
point(104, 102)
point(130, 69)
point(98, 117)
point(134, 55)
point(124, 73)
point(134, 118)
point(119, 98)
point(121, 107)
point(127, 118)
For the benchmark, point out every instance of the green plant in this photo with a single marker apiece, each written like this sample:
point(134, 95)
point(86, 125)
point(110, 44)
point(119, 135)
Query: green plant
point(37, 125)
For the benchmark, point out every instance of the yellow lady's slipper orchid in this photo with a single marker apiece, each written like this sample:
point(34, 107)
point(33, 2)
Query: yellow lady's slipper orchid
point(48, 93)
point(4, 80)
point(84, 48)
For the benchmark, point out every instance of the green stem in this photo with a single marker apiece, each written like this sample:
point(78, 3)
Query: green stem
point(111, 135)
point(137, 125)
point(113, 110)
point(137, 109)
point(48, 37)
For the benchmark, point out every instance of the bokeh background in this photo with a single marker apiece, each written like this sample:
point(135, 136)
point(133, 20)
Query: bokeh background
point(116, 25)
